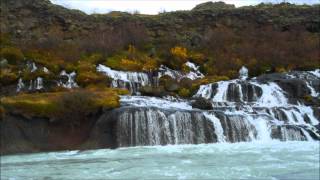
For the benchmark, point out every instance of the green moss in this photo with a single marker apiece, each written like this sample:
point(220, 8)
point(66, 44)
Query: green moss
point(307, 98)
point(183, 92)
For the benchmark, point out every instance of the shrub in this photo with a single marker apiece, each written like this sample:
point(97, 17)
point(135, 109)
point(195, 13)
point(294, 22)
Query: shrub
point(67, 107)
point(178, 56)
point(131, 65)
point(308, 98)
point(46, 59)
point(132, 60)
point(183, 92)
point(75, 107)
point(93, 58)
point(196, 57)
point(7, 77)
point(13, 55)
point(150, 65)
point(87, 78)
point(179, 52)
point(169, 83)
point(4, 40)
point(280, 70)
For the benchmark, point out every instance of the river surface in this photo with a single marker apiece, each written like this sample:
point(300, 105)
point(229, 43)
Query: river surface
point(250, 160)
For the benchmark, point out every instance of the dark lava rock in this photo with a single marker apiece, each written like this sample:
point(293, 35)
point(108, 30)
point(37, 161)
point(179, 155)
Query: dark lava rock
point(201, 103)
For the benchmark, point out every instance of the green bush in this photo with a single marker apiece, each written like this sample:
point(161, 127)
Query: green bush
point(85, 79)
point(183, 92)
point(75, 107)
point(13, 55)
point(7, 77)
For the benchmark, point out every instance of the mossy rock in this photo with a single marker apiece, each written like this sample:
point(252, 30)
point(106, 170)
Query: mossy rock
point(169, 83)
point(201, 103)
point(153, 91)
point(49, 105)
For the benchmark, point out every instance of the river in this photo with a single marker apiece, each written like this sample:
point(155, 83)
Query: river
point(245, 160)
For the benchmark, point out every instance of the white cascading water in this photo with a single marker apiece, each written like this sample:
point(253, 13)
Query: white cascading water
point(272, 102)
point(70, 82)
point(243, 110)
point(193, 74)
point(134, 80)
point(217, 126)
point(20, 85)
point(38, 83)
point(127, 80)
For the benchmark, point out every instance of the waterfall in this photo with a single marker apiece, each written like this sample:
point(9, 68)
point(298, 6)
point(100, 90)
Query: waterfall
point(243, 110)
point(217, 126)
point(69, 82)
point(243, 73)
point(127, 80)
point(150, 126)
point(38, 83)
point(193, 74)
point(134, 80)
point(20, 85)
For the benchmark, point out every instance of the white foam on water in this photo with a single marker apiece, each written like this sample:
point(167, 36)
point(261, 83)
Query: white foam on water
point(262, 128)
point(312, 90)
point(272, 95)
point(221, 95)
point(205, 91)
point(144, 101)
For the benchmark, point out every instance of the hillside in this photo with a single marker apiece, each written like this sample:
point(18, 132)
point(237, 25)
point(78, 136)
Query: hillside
point(262, 37)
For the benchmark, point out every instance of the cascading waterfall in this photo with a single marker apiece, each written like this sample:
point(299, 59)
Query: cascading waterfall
point(20, 85)
point(151, 126)
point(128, 80)
point(134, 80)
point(68, 80)
point(243, 110)
point(193, 74)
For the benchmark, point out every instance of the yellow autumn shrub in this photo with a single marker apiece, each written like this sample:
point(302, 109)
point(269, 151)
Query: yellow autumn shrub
point(179, 52)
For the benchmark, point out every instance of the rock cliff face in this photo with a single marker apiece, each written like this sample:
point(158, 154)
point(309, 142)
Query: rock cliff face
point(40, 20)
